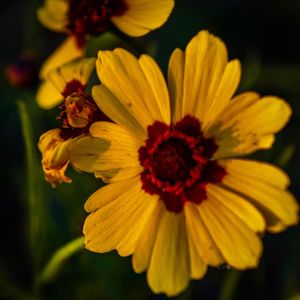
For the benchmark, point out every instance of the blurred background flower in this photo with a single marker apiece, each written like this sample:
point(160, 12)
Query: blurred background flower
point(264, 35)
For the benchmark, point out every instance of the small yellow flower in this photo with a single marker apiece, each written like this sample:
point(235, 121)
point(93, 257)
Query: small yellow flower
point(82, 18)
point(64, 80)
point(178, 200)
point(68, 84)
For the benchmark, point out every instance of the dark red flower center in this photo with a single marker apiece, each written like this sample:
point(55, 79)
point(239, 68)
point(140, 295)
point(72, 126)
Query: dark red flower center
point(73, 86)
point(91, 17)
point(178, 163)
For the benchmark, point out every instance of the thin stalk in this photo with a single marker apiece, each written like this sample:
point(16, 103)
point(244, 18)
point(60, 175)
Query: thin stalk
point(55, 263)
point(229, 285)
point(33, 203)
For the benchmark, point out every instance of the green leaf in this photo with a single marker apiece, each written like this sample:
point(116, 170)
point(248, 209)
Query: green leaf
point(59, 257)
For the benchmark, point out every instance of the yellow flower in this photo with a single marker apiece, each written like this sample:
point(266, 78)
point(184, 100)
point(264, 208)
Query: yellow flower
point(177, 199)
point(64, 80)
point(68, 84)
point(82, 18)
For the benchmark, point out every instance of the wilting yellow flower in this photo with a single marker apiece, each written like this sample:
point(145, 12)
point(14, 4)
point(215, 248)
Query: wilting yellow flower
point(55, 156)
point(177, 199)
point(82, 18)
point(68, 84)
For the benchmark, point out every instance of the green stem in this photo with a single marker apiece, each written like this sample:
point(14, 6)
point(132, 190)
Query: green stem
point(58, 258)
point(33, 192)
point(286, 156)
point(229, 285)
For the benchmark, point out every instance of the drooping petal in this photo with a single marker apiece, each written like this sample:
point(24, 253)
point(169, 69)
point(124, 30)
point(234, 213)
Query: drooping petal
point(118, 223)
point(264, 186)
point(110, 148)
point(198, 232)
point(78, 70)
point(48, 96)
point(55, 156)
point(239, 245)
point(138, 85)
point(54, 146)
point(249, 124)
point(66, 52)
point(53, 15)
point(143, 16)
point(169, 270)
point(207, 80)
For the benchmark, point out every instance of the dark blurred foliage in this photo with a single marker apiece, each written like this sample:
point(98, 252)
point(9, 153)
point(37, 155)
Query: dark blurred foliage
point(263, 34)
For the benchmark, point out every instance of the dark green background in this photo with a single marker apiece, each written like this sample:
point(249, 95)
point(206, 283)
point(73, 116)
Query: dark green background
point(264, 35)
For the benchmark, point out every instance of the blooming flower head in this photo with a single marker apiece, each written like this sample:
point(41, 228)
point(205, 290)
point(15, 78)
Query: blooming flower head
point(77, 113)
point(82, 18)
point(179, 197)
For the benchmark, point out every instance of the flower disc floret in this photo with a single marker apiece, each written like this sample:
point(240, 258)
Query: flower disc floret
point(177, 163)
point(91, 17)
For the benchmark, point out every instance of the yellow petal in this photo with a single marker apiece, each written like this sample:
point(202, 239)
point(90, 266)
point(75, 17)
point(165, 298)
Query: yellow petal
point(55, 156)
point(201, 78)
point(85, 152)
point(157, 85)
point(55, 176)
point(54, 147)
point(48, 96)
point(198, 266)
point(252, 127)
point(143, 16)
point(240, 207)
point(66, 52)
point(239, 245)
point(221, 94)
point(119, 223)
point(144, 246)
point(108, 193)
point(117, 134)
point(263, 185)
point(53, 15)
point(169, 270)
point(115, 175)
point(238, 104)
point(197, 231)
point(116, 148)
point(137, 84)
point(258, 171)
point(175, 80)
point(115, 110)
point(80, 70)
